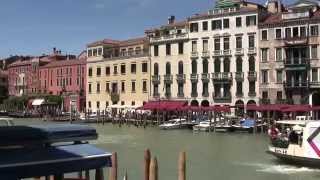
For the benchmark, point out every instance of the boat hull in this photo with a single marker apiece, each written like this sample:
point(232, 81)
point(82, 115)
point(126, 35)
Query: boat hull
point(296, 160)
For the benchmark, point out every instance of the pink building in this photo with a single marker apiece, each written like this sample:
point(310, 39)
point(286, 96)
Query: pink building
point(66, 78)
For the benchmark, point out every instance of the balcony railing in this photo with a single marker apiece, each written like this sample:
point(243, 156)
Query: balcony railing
point(156, 94)
point(293, 41)
point(296, 84)
point(225, 99)
point(217, 53)
point(239, 94)
point(252, 76)
point(314, 84)
point(194, 77)
point(252, 50)
point(239, 51)
point(222, 76)
point(194, 54)
point(265, 101)
point(296, 63)
point(239, 76)
point(205, 54)
point(181, 77)
point(155, 79)
point(194, 94)
point(167, 94)
point(180, 95)
point(227, 52)
point(205, 94)
point(168, 78)
point(169, 37)
point(252, 94)
point(205, 76)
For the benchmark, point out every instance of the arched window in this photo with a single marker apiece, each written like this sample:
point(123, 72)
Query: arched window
point(168, 68)
point(180, 67)
point(226, 65)
point(217, 65)
point(205, 66)
point(194, 67)
point(156, 69)
point(252, 64)
point(239, 64)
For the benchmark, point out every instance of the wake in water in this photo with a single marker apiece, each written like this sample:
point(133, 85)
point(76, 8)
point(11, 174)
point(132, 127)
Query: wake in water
point(279, 169)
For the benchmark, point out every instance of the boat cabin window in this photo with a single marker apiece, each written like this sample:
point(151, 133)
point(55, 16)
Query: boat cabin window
point(293, 137)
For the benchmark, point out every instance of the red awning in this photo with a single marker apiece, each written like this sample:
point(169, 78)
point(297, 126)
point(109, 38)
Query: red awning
point(297, 108)
point(164, 105)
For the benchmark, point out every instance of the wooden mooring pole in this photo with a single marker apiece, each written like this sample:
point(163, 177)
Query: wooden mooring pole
point(147, 158)
point(182, 166)
point(153, 169)
point(113, 175)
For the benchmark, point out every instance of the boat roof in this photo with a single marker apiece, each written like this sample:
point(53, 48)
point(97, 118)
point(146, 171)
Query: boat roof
point(53, 160)
point(297, 122)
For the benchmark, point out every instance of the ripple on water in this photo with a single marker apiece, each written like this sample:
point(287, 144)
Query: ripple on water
point(113, 139)
point(279, 169)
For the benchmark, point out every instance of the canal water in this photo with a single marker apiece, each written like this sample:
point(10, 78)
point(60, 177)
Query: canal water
point(210, 156)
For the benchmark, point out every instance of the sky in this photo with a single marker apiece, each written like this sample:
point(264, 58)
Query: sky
point(34, 27)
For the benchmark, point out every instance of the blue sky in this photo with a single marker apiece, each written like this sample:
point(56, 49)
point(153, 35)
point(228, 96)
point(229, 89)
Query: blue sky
point(33, 27)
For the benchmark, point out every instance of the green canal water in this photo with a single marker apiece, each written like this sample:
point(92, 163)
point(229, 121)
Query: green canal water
point(210, 156)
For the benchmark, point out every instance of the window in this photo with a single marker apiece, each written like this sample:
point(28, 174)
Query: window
point(279, 95)
point(288, 32)
point(264, 55)
point(194, 46)
point(279, 76)
point(295, 32)
point(251, 20)
point(94, 52)
point(252, 87)
point(314, 51)
point(180, 47)
point(168, 68)
point(314, 75)
point(314, 30)
point(144, 67)
point(252, 65)
point(265, 95)
point(216, 24)
point(303, 32)
point(123, 89)
point(107, 87)
point(278, 34)
point(107, 104)
point(194, 27)
point(194, 67)
point(115, 69)
point(205, 67)
point(133, 103)
point(205, 25)
point(133, 68)
point(90, 72)
point(89, 88)
point(239, 42)
point(89, 104)
point(217, 44)
point(205, 47)
point(238, 21)
point(239, 64)
point(98, 105)
point(226, 65)
point(168, 49)
point(133, 86)
point(144, 86)
point(251, 41)
point(239, 88)
point(107, 70)
point(264, 76)
point(264, 35)
point(99, 51)
point(155, 69)
point(180, 90)
point(98, 87)
point(156, 50)
point(226, 23)
point(180, 67)
point(98, 71)
point(278, 54)
point(217, 64)
point(226, 43)
point(89, 52)
point(123, 69)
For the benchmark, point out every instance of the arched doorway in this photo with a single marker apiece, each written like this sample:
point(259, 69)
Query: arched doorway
point(239, 108)
point(194, 103)
point(205, 103)
point(251, 113)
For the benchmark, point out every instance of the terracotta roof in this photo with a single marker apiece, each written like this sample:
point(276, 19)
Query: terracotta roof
point(64, 63)
point(128, 42)
point(20, 63)
point(134, 41)
point(104, 42)
point(175, 24)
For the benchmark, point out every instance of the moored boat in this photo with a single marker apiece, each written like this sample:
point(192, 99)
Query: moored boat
point(174, 124)
point(204, 126)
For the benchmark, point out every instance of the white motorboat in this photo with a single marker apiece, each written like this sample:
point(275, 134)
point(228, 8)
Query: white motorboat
point(204, 126)
point(174, 124)
point(301, 147)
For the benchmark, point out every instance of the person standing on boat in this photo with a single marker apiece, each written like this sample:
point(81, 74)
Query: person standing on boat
point(273, 132)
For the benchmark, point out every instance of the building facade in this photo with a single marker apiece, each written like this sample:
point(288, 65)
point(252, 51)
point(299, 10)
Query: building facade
point(289, 53)
point(3, 85)
point(118, 73)
point(210, 58)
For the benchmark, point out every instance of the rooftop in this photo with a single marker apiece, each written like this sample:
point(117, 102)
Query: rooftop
point(65, 63)
point(111, 42)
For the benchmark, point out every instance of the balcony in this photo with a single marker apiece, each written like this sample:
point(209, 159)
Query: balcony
point(180, 95)
point(296, 64)
point(227, 52)
point(205, 54)
point(181, 78)
point(168, 79)
point(205, 94)
point(222, 77)
point(239, 52)
point(239, 94)
point(225, 99)
point(252, 76)
point(295, 85)
point(156, 94)
point(265, 101)
point(171, 37)
point(239, 76)
point(217, 53)
point(295, 41)
point(194, 77)
point(282, 101)
point(194, 55)
point(155, 79)
point(205, 77)
point(167, 94)
point(314, 84)
point(252, 94)
point(252, 50)
point(194, 94)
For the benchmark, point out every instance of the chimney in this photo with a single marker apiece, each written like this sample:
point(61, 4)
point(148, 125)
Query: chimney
point(171, 19)
point(54, 50)
point(274, 6)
